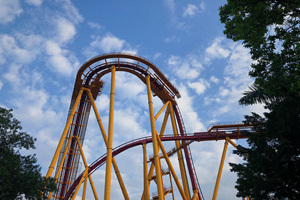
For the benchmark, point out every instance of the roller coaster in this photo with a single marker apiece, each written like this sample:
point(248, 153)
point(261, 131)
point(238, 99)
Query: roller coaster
point(88, 86)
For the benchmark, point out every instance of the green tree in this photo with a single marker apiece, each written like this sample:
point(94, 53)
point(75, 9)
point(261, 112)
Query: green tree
point(271, 31)
point(20, 175)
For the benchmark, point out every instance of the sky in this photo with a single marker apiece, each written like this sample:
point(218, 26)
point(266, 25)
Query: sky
point(43, 43)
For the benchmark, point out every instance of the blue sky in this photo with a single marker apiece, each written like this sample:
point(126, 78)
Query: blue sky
point(43, 43)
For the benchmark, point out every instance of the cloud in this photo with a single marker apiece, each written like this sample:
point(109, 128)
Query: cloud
point(216, 50)
point(192, 121)
point(60, 59)
point(239, 63)
point(95, 25)
point(235, 81)
point(9, 10)
point(185, 68)
point(71, 12)
point(190, 11)
point(171, 6)
point(157, 55)
point(173, 38)
point(199, 86)
point(214, 79)
point(107, 44)
point(65, 30)
point(111, 43)
point(34, 2)
point(9, 49)
point(13, 75)
point(1, 84)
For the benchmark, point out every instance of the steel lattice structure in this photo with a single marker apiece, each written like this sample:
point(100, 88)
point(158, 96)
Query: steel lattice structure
point(88, 85)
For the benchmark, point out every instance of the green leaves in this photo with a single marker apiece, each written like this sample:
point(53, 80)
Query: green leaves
point(271, 30)
point(20, 175)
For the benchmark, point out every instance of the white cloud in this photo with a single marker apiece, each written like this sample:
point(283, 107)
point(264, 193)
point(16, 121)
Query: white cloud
point(95, 25)
point(111, 43)
point(1, 84)
point(214, 79)
point(9, 10)
point(190, 10)
point(239, 63)
point(187, 68)
point(173, 38)
point(58, 59)
point(13, 75)
point(71, 12)
point(202, 6)
point(216, 50)
point(31, 42)
point(199, 86)
point(157, 55)
point(190, 116)
point(34, 2)
point(107, 44)
point(9, 49)
point(65, 30)
point(173, 16)
point(128, 85)
point(236, 81)
point(223, 92)
point(171, 5)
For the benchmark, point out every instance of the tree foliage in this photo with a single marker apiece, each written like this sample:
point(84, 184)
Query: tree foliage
point(271, 31)
point(20, 175)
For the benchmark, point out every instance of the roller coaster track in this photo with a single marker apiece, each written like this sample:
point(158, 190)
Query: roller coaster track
point(198, 137)
point(88, 85)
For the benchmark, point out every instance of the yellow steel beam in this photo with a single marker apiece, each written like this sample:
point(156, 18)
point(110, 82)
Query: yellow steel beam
point(110, 136)
point(195, 195)
point(84, 187)
point(154, 142)
point(162, 131)
point(161, 110)
point(61, 164)
point(64, 134)
point(117, 171)
point(171, 186)
point(80, 182)
point(146, 187)
point(86, 166)
point(179, 155)
point(171, 167)
point(231, 142)
point(220, 170)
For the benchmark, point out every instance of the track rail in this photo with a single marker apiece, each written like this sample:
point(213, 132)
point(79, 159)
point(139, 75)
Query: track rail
point(197, 136)
point(89, 75)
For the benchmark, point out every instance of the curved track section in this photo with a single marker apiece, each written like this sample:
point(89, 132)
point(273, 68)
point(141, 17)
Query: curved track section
point(88, 83)
point(89, 76)
point(200, 136)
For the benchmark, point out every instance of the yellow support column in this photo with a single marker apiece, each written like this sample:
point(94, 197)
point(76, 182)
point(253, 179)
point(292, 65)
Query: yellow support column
point(84, 186)
point(179, 154)
point(220, 170)
point(110, 136)
point(171, 168)
point(64, 134)
point(154, 141)
point(61, 164)
point(146, 188)
point(117, 171)
point(162, 131)
point(86, 167)
point(80, 182)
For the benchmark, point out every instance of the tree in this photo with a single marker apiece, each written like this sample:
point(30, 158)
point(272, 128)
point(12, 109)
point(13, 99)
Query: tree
point(271, 31)
point(20, 175)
